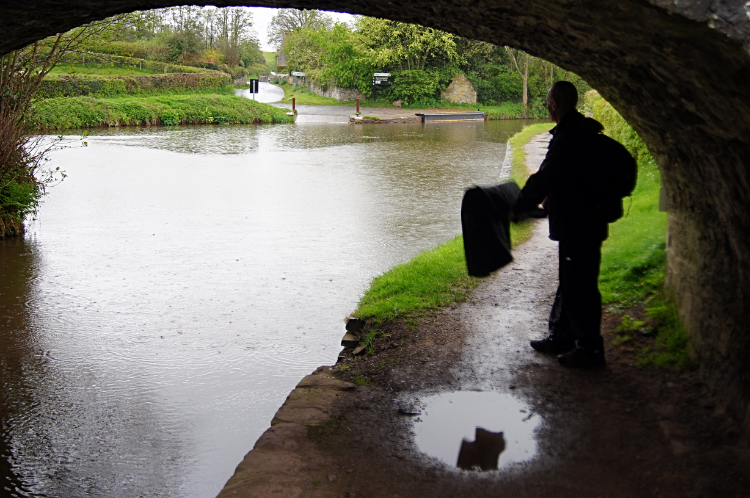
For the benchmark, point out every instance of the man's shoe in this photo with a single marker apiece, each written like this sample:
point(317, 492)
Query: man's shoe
point(554, 345)
point(582, 358)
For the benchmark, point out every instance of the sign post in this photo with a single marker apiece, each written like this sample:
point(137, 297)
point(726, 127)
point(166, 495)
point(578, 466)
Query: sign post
point(254, 87)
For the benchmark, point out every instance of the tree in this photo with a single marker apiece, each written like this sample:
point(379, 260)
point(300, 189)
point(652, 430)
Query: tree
point(408, 46)
point(514, 56)
point(236, 24)
point(286, 21)
point(329, 57)
point(22, 150)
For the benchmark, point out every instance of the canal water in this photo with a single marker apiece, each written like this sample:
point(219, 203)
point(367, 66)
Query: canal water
point(181, 281)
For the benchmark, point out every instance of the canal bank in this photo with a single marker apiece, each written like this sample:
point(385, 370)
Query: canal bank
point(620, 431)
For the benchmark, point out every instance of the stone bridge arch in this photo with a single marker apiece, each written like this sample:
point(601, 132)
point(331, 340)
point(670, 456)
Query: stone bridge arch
point(677, 70)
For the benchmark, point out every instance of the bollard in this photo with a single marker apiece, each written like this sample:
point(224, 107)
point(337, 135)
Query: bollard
point(294, 100)
point(358, 107)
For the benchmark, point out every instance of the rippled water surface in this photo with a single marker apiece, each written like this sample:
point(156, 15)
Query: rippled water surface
point(180, 282)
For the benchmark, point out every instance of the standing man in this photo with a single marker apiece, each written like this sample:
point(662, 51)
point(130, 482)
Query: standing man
point(566, 184)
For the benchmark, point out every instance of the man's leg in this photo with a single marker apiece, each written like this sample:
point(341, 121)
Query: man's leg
point(582, 302)
point(560, 339)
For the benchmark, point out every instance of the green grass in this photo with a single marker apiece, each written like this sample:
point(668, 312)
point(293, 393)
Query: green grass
point(304, 96)
point(670, 350)
point(634, 255)
point(633, 262)
point(65, 69)
point(270, 60)
point(86, 112)
point(519, 172)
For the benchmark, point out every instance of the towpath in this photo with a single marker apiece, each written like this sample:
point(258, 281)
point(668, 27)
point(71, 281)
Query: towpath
point(618, 432)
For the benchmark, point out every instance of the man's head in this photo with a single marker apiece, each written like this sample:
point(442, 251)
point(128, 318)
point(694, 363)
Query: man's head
point(561, 98)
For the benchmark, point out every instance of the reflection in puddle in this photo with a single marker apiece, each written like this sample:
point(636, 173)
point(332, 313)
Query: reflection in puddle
point(476, 430)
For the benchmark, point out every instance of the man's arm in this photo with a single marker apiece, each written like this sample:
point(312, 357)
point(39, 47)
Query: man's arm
point(540, 184)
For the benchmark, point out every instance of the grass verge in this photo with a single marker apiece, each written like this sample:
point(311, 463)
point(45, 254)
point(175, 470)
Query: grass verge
point(304, 96)
point(519, 172)
point(634, 255)
point(87, 112)
point(632, 279)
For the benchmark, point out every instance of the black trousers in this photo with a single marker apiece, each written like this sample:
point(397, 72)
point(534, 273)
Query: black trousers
point(577, 310)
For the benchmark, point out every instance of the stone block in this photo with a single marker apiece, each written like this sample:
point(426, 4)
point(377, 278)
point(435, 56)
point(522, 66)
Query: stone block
point(460, 91)
point(349, 340)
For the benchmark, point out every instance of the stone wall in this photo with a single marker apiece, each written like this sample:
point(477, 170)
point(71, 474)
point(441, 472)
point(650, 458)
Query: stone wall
point(678, 71)
point(460, 91)
point(334, 92)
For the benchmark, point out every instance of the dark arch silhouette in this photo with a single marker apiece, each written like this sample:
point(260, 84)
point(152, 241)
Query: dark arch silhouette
point(679, 72)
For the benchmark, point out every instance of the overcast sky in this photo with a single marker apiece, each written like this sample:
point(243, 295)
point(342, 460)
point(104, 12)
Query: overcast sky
point(262, 17)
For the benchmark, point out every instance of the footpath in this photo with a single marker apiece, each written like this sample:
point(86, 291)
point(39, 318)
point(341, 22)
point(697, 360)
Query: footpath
point(619, 431)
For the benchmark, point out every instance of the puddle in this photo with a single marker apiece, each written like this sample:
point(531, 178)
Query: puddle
point(463, 429)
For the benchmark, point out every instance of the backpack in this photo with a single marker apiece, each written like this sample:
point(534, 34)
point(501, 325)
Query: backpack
point(616, 173)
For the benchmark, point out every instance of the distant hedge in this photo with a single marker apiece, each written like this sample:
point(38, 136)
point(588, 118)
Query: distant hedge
point(88, 112)
point(107, 86)
point(120, 60)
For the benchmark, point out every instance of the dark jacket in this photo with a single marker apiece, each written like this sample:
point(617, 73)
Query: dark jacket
point(486, 228)
point(566, 178)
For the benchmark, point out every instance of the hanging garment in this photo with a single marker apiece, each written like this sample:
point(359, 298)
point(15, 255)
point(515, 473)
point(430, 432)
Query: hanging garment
point(486, 227)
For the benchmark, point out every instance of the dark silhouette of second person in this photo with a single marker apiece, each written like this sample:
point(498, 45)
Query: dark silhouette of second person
point(566, 185)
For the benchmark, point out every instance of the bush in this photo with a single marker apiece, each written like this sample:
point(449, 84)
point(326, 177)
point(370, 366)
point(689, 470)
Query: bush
point(503, 87)
point(615, 125)
point(412, 86)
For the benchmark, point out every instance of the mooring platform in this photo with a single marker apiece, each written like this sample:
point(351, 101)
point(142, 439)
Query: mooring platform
point(452, 116)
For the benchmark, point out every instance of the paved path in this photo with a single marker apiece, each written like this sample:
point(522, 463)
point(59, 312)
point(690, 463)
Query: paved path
point(267, 93)
point(512, 307)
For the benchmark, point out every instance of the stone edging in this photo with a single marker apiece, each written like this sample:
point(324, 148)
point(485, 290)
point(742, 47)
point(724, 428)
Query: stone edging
point(507, 163)
point(273, 467)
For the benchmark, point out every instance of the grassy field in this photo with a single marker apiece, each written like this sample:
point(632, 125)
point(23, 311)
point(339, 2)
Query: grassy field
point(87, 112)
point(270, 60)
point(65, 69)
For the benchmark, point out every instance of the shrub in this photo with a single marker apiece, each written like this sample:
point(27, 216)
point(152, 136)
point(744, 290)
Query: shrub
point(615, 125)
point(413, 86)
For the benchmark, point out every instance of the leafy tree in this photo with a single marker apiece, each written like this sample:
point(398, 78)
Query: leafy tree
point(287, 21)
point(406, 46)
point(329, 56)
